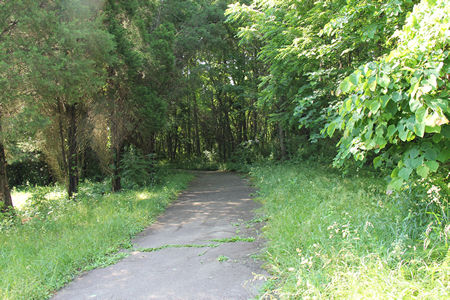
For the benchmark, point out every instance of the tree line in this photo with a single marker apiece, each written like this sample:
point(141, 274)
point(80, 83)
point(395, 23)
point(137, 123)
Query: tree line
point(83, 81)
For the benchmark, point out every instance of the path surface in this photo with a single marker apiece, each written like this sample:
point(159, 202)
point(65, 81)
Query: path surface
point(216, 206)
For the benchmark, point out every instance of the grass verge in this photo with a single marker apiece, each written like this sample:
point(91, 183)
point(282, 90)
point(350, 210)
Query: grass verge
point(331, 237)
point(61, 238)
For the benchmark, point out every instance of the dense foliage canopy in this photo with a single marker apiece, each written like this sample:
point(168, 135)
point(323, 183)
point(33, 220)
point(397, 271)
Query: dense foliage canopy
point(86, 83)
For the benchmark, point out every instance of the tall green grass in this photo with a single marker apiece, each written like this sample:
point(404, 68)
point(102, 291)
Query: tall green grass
point(335, 237)
point(61, 238)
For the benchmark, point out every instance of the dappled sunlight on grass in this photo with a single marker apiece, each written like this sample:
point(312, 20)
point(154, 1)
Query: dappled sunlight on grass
point(55, 195)
point(60, 238)
point(20, 198)
point(335, 237)
point(143, 195)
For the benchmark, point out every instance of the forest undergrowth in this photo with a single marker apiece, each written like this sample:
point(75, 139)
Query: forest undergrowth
point(334, 236)
point(52, 239)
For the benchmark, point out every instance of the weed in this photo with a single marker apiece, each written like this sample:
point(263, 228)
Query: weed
point(234, 239)
point(106, 260)
point(177, 246)
point(59, 238)
point(222, 258)
point(218, 241)
point(343, 237)
point(258, 219)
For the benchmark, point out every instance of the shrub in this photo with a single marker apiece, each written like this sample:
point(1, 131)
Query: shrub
point(137, 170)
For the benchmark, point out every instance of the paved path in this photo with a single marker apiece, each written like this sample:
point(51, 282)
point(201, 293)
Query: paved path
point(216, 206)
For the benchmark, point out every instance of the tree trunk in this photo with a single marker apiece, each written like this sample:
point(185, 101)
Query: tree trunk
point(61, 138)
point(116, 145)
point(169, 145)
point(255, 125)
point(244, 127)
point(117, 180)
point(5, 194)
point(72, 161)
point(231, 143)
point(197, 130)
point(178, 145)
point(188, 131)
point(151, 144)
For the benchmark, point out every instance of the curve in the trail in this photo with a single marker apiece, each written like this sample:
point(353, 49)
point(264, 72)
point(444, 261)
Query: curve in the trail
point(191, 252)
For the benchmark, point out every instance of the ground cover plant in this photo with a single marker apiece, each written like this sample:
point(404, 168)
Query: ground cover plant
point(331, 236)
point(59, 238)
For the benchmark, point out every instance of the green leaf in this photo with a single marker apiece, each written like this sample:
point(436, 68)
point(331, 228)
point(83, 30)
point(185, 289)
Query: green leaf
point(391, 108)
point(396, 96)
point(430, 153)
point(345, 85)
point(391, 130)
point(414, 104)
point(420, 115)
point(395, 184)
point(415, 79)
point(405, 172)
point(385, 100)
point(331, 128)
point(377, 161)
point(372, 82)
point(444, 155)
point(354, 77)
point(380, 141)
point(413, 152)
point(419, 129)
point(348, 104)
point(402, 133)
point(423, 171)
point(432, 129)
point(432, 165)
point(394, 173)
point(374, 105)
point(384, 81)
point(446, 131)
point(413, 163)
point(437, 138)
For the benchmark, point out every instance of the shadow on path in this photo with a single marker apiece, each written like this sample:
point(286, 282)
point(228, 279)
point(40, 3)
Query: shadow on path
point(216, 206)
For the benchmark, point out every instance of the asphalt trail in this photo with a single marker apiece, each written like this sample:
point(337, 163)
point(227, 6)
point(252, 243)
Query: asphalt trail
point(216, 206)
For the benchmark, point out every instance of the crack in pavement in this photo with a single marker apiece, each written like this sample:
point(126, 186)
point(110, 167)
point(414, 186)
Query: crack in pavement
point(219, 241)
point(204, 216)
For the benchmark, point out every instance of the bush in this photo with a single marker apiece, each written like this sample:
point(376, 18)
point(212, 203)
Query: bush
point(137, 170)
point(247, 152)
point(396, 106)
point(31, 171)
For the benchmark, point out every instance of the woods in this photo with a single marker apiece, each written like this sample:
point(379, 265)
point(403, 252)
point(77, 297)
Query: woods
point(88, 80)
point(113, 90)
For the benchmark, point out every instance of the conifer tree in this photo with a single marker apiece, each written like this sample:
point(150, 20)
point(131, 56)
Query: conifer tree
point(8, 25)
point(67, 49)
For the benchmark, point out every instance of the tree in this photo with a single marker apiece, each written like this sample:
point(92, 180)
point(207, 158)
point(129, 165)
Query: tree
point(308, 47)
point(67, 49)
point(397, 106)
point(8, 25)
point(133, 102)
